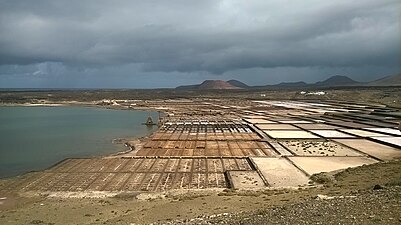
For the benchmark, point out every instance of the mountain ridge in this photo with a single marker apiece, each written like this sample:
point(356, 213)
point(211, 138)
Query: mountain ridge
point(337, 80)
point(392, 80)
point(210, 85)
point(333, 81)
point(238, 83)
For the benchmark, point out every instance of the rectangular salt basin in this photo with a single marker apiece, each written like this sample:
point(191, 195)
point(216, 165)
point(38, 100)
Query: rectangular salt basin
point(279, 172)
point(295, 121)
point(253, 116)
point(280, 149)
point(352, 125)
point(245, 179)
point(372, 148)
point(290, 134)
point(363, 133)
point(376, 124)
point(391, 140)
point(386, 130)
point(319, 148)
point(331, 134)
point(317, 126)
point(313, 165)
point(259, 120)
point(277, 127)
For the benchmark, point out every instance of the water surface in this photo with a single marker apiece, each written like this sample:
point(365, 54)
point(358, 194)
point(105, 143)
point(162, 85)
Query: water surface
point(34, 138)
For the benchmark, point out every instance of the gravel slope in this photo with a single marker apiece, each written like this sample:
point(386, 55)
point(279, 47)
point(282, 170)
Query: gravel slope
point(371, 207)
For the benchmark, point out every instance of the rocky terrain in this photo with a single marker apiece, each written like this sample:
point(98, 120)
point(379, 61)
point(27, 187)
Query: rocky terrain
point(376, 206)
point(359, 202)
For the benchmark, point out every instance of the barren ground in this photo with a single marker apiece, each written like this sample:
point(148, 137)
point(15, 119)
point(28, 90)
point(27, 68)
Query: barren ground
point(361, 204)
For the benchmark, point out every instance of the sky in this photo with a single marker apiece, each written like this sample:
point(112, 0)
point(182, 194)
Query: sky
point(164, 44)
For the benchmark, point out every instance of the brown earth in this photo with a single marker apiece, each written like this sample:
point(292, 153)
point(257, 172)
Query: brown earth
point(354, 201)
point(216, 84)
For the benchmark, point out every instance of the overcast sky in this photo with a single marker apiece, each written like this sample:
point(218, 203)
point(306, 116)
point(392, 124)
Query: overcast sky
point(149, 43)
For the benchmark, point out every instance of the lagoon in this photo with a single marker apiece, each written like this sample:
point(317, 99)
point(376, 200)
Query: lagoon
point(35, 138)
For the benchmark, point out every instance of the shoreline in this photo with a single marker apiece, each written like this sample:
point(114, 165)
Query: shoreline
point(131, 146)
point(80, 104)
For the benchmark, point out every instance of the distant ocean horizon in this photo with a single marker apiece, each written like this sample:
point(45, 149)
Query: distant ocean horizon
point(35, 138)
point(57, 89)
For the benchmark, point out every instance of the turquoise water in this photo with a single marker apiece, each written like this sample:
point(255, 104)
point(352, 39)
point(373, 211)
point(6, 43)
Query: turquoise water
point(34, 138)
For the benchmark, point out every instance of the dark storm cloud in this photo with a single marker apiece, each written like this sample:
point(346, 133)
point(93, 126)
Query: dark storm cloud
point(212, 36)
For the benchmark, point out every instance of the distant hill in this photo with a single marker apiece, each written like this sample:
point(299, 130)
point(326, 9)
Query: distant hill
point(209, 85)
point(283, 85)
point(237, 83)
point(336, 81)
point(216, 84)
point(393, 80)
